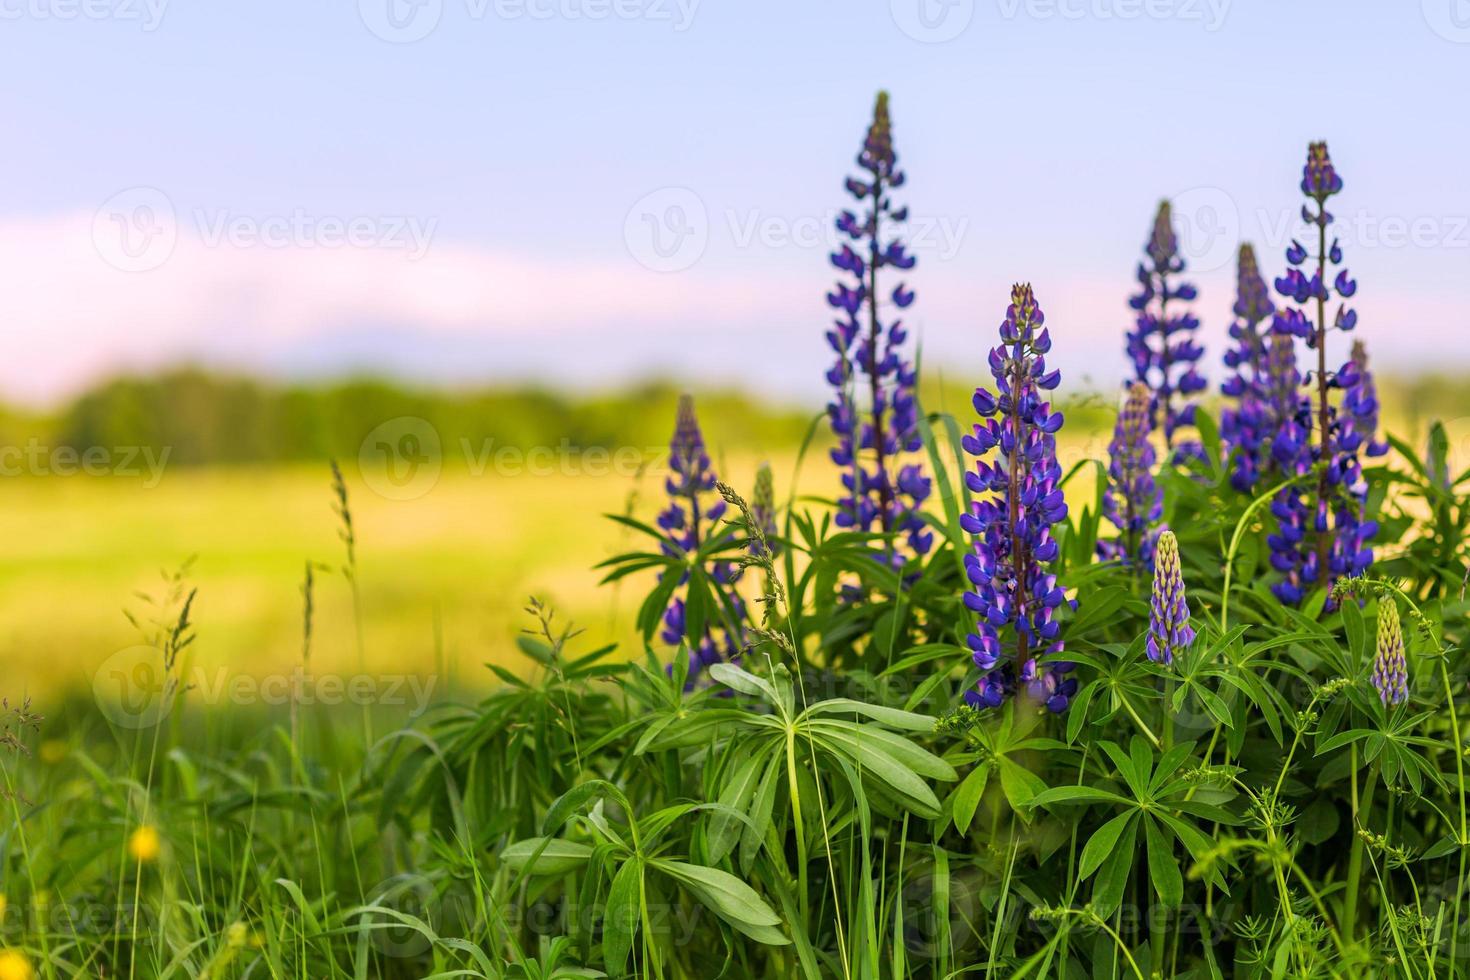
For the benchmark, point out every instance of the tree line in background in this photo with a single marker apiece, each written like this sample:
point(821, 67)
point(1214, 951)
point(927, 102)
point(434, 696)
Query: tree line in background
point(215, 418)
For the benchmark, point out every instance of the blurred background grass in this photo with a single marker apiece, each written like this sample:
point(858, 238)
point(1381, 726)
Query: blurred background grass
point(444, 576)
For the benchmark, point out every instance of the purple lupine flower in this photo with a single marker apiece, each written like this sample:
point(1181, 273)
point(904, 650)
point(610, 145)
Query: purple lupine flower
point(874, 411)
point(1169, 631)
point(1390, 670)
point(1162, 345)
point(1247, 424)
point(1018, 499)
point(1360, 406)
point(1323, 533)
point(691, 515)
point(763, 510)
point(1133, 501)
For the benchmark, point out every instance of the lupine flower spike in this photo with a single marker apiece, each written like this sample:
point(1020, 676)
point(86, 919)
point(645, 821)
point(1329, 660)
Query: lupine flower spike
point(1162, 345)
point(1169, 631)
point(692, 514)
point(1322, 533)
point(1133, 501)
point(1018, 500)
point(1390, 672)
point(1247, 424)
point(763, 508)
point(873, 411)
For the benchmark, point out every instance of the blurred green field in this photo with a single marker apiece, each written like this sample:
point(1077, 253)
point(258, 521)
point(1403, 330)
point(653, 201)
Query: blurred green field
point(443, 578)
point(457, 563)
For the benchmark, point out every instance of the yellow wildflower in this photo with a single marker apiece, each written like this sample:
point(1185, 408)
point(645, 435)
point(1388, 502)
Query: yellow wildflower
point(15, 966)
point(144, 844)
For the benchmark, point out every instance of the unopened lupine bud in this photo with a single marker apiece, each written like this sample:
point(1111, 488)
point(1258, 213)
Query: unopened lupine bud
point(1390, 672)
point(1133, 500)
point(763, 509)
point(1169, 631)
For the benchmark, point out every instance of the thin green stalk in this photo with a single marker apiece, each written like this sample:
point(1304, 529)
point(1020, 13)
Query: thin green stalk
point(1361, 808)
point(1235, 540)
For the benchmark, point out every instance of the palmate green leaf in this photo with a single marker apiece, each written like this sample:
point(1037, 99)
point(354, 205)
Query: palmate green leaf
point(1019, 784)
point(762, 805)
point(650, 614)
point(874, 762)
point(1169, 764)
point(1112, 878)
point(908, 721)
point(738, 793)
point(1137, 779)
point(546, 855)
point(636, 525)
point(739, 679)
point(926, 653)
point(699, 604)
point(620, 922)
point(1103, 843)
point(729, 898)
point(921, 761)
point(562, 809)
point(966, 797)
point(1163, 870)
point(925, 691)
point(1078, 794)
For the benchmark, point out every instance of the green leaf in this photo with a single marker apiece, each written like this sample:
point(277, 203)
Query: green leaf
point(1103, 843)
point(1019, 784)
point(967, 797)
point(1163, 870)
point(621, 919)
point(740, 787)
point(1112, 879)
point(761, 808)
point(908, 721)
point(575, 798)
point(546, 855)
point(1077, 794)
point(743, 681)
point(729, 898)
point(921, 761)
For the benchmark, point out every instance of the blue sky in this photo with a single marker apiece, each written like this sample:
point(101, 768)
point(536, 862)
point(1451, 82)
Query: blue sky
point(304, 188)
